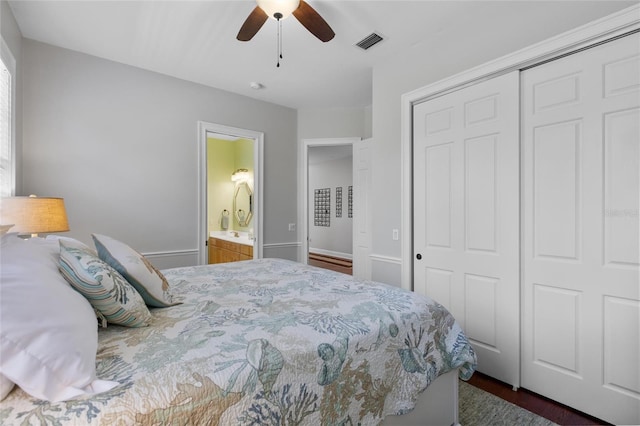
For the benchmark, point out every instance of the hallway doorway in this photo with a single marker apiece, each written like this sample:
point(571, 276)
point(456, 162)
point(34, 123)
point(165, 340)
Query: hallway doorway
point(330, 219)
point(358, 202)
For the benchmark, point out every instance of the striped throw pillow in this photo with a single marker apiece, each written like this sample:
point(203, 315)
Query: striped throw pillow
point(107, 291)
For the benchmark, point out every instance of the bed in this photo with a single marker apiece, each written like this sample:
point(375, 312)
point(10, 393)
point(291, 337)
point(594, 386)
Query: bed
point(263, 342)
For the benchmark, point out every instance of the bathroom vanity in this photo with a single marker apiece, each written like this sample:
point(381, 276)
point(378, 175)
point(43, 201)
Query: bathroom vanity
point(229, 248)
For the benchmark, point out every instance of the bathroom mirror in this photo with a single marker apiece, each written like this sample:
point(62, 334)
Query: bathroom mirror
point(243, 204)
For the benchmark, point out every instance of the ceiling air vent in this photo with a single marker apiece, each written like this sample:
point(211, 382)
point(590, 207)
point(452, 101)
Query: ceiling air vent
point(369, 41)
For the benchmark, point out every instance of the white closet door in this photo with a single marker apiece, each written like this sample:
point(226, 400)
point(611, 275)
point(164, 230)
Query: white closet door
point(581, 311)
point(466, 215)
point(362, 188)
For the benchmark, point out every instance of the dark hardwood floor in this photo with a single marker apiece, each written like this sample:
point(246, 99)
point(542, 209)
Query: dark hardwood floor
point(533, 402)
point(333, 263)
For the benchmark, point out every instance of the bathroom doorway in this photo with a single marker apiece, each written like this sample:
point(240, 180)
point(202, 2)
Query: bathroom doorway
point(230, 193)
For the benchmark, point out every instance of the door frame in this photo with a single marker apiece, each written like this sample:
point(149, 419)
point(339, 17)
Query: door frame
point(601, 30)
point(303, 189)
point(204, 128)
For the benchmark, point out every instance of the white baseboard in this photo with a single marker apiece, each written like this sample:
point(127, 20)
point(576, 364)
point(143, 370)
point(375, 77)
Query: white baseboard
point(291, 244)
point(288, 251)
point(178, 258)
point(173, 259)
point(385, 259)
point(331, 253)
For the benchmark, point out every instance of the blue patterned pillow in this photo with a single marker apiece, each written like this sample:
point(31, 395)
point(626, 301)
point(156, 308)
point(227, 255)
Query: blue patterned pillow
point(107, 291)
point(135, 268)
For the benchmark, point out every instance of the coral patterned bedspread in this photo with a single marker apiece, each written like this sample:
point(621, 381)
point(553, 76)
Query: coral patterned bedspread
point(266, 342)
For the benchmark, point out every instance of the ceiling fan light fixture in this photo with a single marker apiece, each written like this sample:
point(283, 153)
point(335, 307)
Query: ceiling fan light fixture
point(283, 7)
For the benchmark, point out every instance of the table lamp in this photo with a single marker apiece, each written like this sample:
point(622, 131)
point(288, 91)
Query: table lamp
point(33, 215)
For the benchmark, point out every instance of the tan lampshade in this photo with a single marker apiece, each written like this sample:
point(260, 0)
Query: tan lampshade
point(33, 215)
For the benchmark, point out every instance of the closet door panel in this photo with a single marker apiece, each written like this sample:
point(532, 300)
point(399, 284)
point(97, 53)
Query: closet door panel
point(481, 195)
point(621, 368)
point(581, 185)
point(622, 189)
point(556, 195)
point(556, 323)
point(466, 168)
point(438, 195)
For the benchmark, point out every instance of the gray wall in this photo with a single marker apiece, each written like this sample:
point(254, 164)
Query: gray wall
point(120, 145)
point(336, 239)
point(334, 123)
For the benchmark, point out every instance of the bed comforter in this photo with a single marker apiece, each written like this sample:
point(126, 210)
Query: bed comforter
point(266, 342)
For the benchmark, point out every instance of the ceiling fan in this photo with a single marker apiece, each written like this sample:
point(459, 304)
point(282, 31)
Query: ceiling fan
point(281, 9)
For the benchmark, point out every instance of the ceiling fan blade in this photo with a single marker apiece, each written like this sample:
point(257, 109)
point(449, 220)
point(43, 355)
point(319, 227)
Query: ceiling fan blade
point(313, 22)
point(254, 22)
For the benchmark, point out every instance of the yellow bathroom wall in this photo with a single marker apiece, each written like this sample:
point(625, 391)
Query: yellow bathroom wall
point(223, 158)
point(244, 154)
point(244, 160)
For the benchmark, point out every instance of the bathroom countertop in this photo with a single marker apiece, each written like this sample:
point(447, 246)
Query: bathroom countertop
point(242, 238)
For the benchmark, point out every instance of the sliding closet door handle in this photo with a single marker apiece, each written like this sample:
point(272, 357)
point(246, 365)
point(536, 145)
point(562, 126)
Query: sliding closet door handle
point(418, 256)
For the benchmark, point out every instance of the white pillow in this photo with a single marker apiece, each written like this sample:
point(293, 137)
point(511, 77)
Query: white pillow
point(6, 386)
point(49, 336)
point(135, 268)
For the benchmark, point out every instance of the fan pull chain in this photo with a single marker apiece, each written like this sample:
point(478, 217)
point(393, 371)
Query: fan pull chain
point(280, 22)
point(278, 17)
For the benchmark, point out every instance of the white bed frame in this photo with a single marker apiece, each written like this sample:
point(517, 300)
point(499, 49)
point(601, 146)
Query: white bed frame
point(437, 405)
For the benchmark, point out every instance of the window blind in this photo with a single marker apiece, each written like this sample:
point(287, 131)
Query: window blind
point(6, 163)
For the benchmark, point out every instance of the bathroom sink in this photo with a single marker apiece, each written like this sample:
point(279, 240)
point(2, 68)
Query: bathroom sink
point(239, 237)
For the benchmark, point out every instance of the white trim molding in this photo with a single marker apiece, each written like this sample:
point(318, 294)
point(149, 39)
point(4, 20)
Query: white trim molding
point(601, 30)
point(385, 259)
point(385, 268)
point(283, 250)
point(173, 259)
point(279, 245)
point(332, 253)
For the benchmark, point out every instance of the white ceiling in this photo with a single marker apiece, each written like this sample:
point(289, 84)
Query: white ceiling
point(195, 40)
